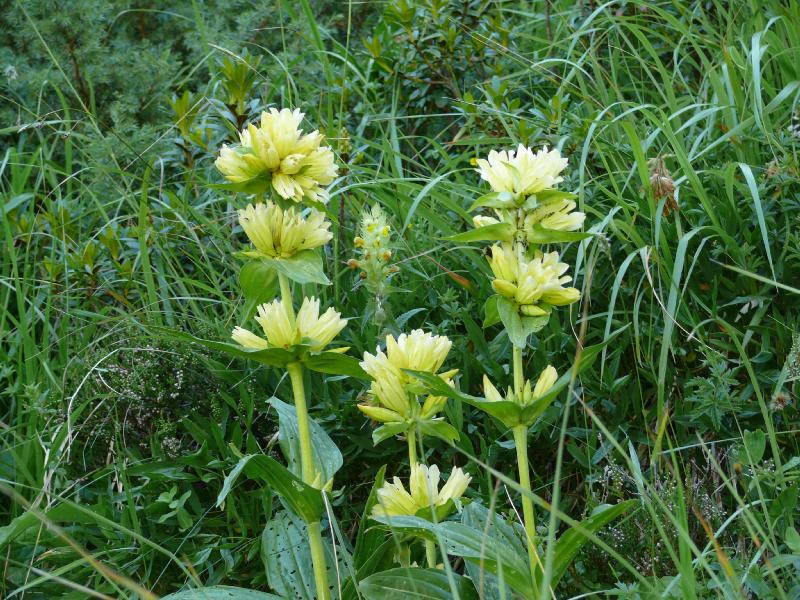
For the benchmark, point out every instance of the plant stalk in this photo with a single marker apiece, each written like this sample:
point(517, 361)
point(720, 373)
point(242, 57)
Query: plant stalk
point(309, 475)
point(286, 296)
point(430, 553)
point(411, 438)
point(521, 443)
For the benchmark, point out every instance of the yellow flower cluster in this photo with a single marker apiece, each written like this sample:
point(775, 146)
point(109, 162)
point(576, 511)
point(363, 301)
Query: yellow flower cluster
point(373, 246)
point(395, 391)
point(278, 233)
point(276, 151)
point(283, 330)
point(522, 172)
point(423, 491)
point(527, 396)
point(533, 285)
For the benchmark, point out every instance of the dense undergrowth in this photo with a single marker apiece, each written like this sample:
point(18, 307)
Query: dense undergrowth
point(679, 121)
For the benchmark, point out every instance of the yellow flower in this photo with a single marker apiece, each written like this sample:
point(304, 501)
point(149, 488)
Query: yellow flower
point(423, 491)
point(278, 233)
point(547, 379)
point(283, 331)
point(392, 388)
point(529, 283)
point(315, 329)
point(521, 172)
point(277, 151)
point(557, 215)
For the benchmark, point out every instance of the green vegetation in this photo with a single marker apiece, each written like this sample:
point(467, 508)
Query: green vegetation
point(143, 453)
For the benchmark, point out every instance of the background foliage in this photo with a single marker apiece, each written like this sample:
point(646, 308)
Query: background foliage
point(677, 118)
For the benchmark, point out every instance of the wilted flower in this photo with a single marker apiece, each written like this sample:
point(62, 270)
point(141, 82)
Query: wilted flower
point(531, 283)
point(278, 233)
point(544, 384)
point(392, 388)
point(276, 151)
point(521, 172)
point(283, 331)
point(423, 492)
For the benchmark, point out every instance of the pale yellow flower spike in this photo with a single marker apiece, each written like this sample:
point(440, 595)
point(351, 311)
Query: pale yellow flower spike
point(423, 492)
point(418, 351)
point(522, 172)
point(296, 165)
point(528, 283)
point(278, 233)
point(282, 331)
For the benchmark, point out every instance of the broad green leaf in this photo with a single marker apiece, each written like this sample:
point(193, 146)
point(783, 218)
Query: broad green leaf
point(287, 558)
point(490, 313)
point(540, 235)
point(420, 584)
point(302, 499)
point(755, 443)
point(510, 534)
point(387, 430)
point(503, 232)
point(335, 363)
point(259, 284)
point(494, 200)
point(221, 592)
point(440, 429)
point(792, 539)
point(512, 322)
point(475, 546)
point(571, 541)
point(327, 457)
point(303, 267)
point(274, 357)
point(547, 196)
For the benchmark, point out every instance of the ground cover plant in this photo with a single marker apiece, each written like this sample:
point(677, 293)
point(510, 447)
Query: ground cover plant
point(423, 298)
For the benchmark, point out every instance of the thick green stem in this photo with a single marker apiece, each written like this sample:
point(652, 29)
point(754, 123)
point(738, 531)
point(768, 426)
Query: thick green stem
point(318, 560)
point(306, 452)
point(309, 475)
point(411, 438)
point(521, 442)
point(430, 553)
point(519, 376)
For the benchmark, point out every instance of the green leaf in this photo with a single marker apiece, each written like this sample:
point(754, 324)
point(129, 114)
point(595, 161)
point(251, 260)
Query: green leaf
point(287, 558)
point(490, 313)
point(512, 322)
point(440, 429)
point(221, 592)
point(303, 267)
point(494, 200)
point(259, 284)
point(335, 363)
point(792, 539)
point(548, 196)
point(755, 443)
point(510, 534)
point(327, 457)
point(388, 430)
point(571, 541)
point(540, 235)
point(274, 357)
point(503, 232)
point(302, 499)
point(421, 584)
point(493, 554)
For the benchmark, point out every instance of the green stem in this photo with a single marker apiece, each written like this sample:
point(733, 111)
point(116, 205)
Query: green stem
point(309, 475)
point(318, 560)
point(430, 553)
point(411, 438)
point(521, 442)
point(306, 452)
point(519, 376)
